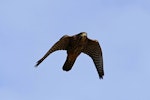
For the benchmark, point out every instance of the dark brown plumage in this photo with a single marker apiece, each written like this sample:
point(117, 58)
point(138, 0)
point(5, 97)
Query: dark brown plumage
point(75, 45)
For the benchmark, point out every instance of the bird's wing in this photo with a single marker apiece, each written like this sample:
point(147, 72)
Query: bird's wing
point(62, 44)
point(93, 49)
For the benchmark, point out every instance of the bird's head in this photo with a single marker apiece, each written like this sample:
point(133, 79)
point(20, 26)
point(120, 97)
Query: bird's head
point(82, 36)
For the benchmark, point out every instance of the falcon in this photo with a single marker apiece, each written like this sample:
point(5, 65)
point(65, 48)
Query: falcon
point(75, 45)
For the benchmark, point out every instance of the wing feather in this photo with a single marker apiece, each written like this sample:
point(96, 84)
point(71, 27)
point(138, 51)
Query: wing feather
point(62, 44)
point(93, 49)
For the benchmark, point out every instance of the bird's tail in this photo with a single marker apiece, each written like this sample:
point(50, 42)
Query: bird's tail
point(68, 64)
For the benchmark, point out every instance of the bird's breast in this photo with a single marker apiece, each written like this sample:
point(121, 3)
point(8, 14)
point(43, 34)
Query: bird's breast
point(76, 47)
point(75, 51)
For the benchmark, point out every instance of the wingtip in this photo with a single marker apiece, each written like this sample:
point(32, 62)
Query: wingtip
point(38, 62)
point(36, 65)
point(101, 76)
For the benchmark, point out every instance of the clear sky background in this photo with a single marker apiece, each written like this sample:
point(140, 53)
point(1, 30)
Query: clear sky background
point(28, 28)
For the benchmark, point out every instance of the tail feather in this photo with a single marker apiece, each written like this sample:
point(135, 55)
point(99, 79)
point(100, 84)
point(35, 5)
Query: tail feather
point(68, 65)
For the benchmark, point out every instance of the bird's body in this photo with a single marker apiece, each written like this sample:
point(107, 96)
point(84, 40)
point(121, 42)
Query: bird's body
point(75, 45)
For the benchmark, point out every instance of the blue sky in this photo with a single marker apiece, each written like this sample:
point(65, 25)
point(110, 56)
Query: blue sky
point(28, 28)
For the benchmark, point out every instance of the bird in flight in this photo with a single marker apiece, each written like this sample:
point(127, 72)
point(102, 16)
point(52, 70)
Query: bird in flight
point(75, 45)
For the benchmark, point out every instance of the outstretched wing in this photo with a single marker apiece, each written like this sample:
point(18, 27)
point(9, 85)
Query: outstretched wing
point(93, 49)
point(62, 44)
